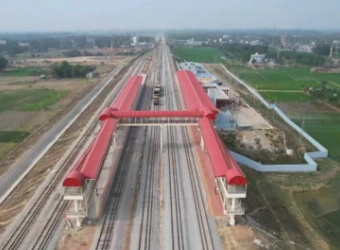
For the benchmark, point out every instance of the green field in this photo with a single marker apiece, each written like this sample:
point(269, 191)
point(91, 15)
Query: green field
point(28, 100)
point(22, 72)
point(203, 55)
point(322, 210)
point(285, 78)
point(325, 128)
point(285, 96)
point(12, 136)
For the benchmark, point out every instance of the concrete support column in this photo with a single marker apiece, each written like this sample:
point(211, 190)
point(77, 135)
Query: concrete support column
point(161, 137)
point(76, 209)
point(233, 204)
point(232, 220)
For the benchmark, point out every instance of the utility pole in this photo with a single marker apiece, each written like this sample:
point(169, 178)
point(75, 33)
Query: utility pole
point(274, 108)
point(303, 124)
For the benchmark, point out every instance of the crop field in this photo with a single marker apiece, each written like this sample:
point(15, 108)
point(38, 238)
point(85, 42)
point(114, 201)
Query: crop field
point(271, 96)
point(285, 78)
point(25, 71)
point(12, 136)
point(28, 100)
point(325, 128)
point(203, 55)
point(283, 84)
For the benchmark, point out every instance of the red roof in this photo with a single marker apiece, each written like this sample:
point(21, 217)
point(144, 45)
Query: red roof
point(128, 94)
point(221, 160)
point(90, 163)
point(194, 95)
point(97, 153)
point(75, 177)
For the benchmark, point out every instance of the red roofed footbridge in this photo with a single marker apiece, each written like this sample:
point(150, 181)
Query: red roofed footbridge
point(200, 112)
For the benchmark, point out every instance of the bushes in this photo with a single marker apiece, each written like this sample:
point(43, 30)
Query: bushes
point(66, 70)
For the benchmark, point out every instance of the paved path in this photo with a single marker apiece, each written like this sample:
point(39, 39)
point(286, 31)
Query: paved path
point(17, 172)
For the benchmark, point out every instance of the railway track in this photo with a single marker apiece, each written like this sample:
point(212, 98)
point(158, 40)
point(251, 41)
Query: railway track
point(177, 237)
point(112, 204)
point(14, 241)
point(207, 242)
point(147, 219)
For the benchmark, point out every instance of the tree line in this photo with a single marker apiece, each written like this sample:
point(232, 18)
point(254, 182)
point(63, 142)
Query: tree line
point(3, 62)
point(78, 53)
point(67, 70)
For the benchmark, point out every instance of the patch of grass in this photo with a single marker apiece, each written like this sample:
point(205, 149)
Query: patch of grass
point(5, 148)
point(258, 209)
point(322, 210)
point(203, 55)
point(285, 96)
point(13, 136)
point(29, 100)
point(325, 128)
point(285, 78)
point(26, 71)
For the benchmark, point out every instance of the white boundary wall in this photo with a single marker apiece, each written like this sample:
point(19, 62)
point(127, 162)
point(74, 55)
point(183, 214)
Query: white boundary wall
point(309, 156)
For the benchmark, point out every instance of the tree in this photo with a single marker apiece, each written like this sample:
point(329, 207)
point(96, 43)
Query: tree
point(66, 70)
point(322, 49)
point(3, 62)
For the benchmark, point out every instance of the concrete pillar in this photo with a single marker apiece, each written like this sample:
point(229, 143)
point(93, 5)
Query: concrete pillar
point(78, 222)
point(233, 204)
point(76, 209)
point(232, 220)
point(161, 137)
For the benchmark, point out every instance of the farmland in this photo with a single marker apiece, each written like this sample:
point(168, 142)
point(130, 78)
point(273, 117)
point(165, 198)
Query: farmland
point(285, 78)
point(24, 71)
point(300, 207)
point(284, 85)
point(29, 104)
point(321, 209)
point(204, 55)
point(271, 96)
point(28, 100)
point(324, 128)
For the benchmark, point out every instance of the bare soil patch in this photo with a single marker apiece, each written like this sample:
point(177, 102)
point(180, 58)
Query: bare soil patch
point(304, 107)
point(80, 240)
point(241, 237)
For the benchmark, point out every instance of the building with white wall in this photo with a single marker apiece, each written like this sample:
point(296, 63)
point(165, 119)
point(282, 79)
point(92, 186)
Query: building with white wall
point(257, 59)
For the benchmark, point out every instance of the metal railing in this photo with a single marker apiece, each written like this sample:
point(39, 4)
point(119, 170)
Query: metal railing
point(167, 121)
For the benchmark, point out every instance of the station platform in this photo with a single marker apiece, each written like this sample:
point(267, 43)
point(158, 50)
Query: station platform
point(213, 198)
point(102, 186)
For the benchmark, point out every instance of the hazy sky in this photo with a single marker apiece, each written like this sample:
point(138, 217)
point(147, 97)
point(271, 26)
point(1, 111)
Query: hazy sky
point(69, 15)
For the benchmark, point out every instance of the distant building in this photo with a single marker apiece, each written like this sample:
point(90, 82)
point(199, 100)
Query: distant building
point(90, 40)
point(257, 59)
point(304, 48)
point(134, 39)
point(284, 41)
point(3, 42)
point(22, 44)
point(256, 42)
point(192, 42)
point(90, 75)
